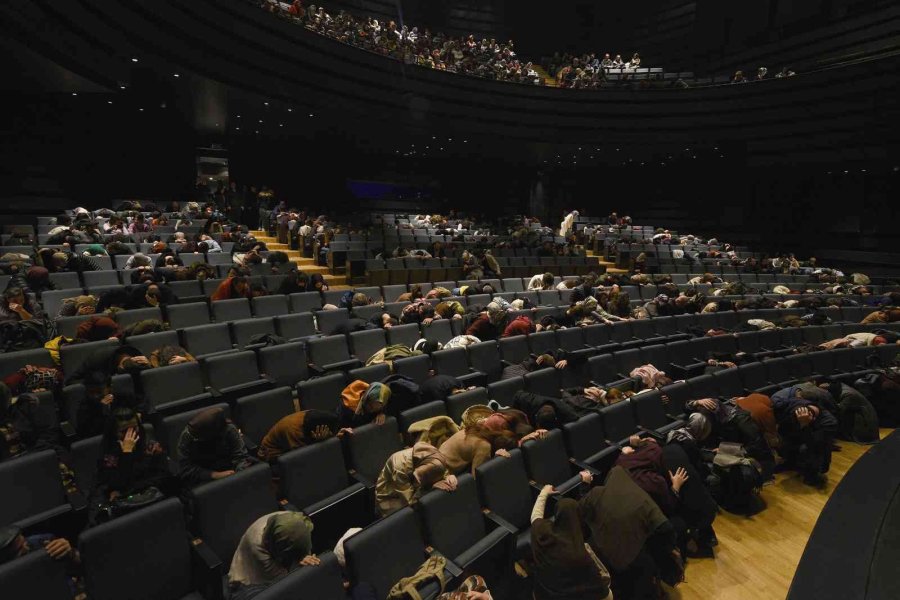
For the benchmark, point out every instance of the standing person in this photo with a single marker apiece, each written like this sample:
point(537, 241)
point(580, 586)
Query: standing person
point(565, 567)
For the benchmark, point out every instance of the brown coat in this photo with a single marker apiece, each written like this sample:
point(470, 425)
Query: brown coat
point(463, 449)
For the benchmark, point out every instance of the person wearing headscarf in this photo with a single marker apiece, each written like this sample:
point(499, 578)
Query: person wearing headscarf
point(97, 328)
point(521, 325)
point(25, 425)
point(564, 568)
point(232, 287)
point(211, 447)
point(317, 283)
point(490, 324)
point(362, 403)
point(408, 474)
point(130, 463)
point(273, 546)
point(297, 430)
point(631, 535)
point(668, 476)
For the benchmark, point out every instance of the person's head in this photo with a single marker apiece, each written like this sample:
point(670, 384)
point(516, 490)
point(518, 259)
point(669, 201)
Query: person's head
point(208, 425)
point(14, 295)
point(121, 420)
point(547, 280)
point(240, 286)
point(97, 384)
point(288, 537)
point(546, 417)
point(699, 426)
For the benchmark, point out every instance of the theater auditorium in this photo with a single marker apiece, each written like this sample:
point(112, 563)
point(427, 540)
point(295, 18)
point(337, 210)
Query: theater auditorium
point(457, 300)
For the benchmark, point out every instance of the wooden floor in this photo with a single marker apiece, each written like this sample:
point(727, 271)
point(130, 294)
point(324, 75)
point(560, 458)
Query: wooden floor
point(757, 556)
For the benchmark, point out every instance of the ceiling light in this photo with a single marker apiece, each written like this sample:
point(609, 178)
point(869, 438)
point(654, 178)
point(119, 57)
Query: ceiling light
point(310, 114)
point(134, 60)
point(74, 93)
point(121, 87)
point(266, 103)
point(109, 101)
point(176, 75)
point(281, 124)
point(141, 109)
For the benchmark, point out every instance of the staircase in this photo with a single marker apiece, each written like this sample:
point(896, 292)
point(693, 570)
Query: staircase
point(307, 265)
point(611, 268)
point(548, 81)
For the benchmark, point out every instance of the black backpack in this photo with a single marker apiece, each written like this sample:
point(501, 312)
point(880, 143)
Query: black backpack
point(736, 488)
point(22, 335)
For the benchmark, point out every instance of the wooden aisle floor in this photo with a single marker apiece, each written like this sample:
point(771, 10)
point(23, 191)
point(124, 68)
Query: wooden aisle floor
point(757, 556)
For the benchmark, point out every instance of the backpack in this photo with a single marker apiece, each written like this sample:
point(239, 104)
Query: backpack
point(431, 569)
point(22, 335)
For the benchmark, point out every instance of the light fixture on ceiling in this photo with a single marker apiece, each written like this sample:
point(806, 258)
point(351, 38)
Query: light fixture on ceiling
point(134, 60)
point(175, 75)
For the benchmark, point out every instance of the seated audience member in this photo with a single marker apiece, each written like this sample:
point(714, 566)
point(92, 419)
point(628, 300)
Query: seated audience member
point(98, 328)
point(521, 325)
point(408, 474)
point(632, 536)
point(532, 364)
point(26, 425)
point(363, 403)
point(232, 287)
point(439, 387)
point(884, 315)
point(471, 446)
point(317, 283)
point(15, 544)
point(855, 340)
point(668, 476)
point(296, 282)
point(150, 295)
point(129, 464)
point(170, 355)
point(297, 430)
point(541, 282)
point(117, 360)
point(490, 324)
point(564, 566)
point(807, 430)
point(16, 305)
point(546, 412)
point(98, 403)
point(273, 546)
point(137, 261)
point(211, 448)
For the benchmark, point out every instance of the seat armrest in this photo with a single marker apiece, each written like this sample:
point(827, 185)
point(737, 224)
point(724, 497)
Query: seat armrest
point(360, 479)
point(207, 569)
point(451, 567)
point(582, 466)
point(68, 432)
point(500, 521)
point(652, 433)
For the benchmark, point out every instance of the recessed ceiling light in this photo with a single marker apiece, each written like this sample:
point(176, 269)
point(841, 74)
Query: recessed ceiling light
point(74, 93)
point(290, 110)
point(266, 103)
point(281, 124)
point(310, 114)
point(121, 87)
point(109, 101)
point(176, 75)
point(134, 60)
point(239, 116)
point(141, 109)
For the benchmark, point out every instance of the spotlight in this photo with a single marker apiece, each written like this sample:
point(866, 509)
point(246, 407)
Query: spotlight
point(176, 75)
point(134, 60)
point(74, 93)
point(310, 114)
point(290, 110)
point(265, 103)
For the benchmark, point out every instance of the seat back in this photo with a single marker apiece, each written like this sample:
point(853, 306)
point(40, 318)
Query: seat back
point(231, 310)
point(73, 355)
point(649, 409)
point(232, 369)
point(452, 361)
point(285, 364)
point(514, 349)
point(504, 488)
point(618, 421)
point(328, 350)
point(32, 487)
point(416, 368)
point(305, 301)
point(370, 446)
point(294, 326)
point(503, 391)
point(164, 570)
point(322, 463)
point(257, 413)
point(585, 437)
point(126, 318)
point(187, 315)
point(542, 342)
point(225, 508)
point(35, 575)
point(148, 342)
point(370, 374)
point(322, 582)
point(207, 339)
point(242, 331)
point(453, 523)
point(271, 306)
point(439, 331)
point(485, 357)
point(545, 382)
point(367, 342)
point(174, 382)
point(322, 393)
point(329, 320)
point(407, 334)
point(385, 551)
point(546, 460)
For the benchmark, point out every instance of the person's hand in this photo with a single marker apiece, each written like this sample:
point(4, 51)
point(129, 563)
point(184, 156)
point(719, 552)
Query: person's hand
point(427, 321)
point(479, 596)
point(727, 364)
point(310, 560)
point(58, 548)
point(448, 484)
point(222, 474)
point(345, 431)
point(380, 418)
point(322, 432)
point(178, 359)
point(86, 309)
point(15, 307)
point(635, 440)
point(503, 453)
point(804, 416)
point(140, 360)
point(130, 441)
point(712, 362)
point(627, 450)
point(562, 364)
point(548, 489)
point(678, 478)
point(457, 317)
point(586, 476)
point(708, 403)
point(107, 399)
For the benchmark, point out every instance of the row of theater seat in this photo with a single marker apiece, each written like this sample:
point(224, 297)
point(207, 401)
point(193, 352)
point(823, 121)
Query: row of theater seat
point(345, 471)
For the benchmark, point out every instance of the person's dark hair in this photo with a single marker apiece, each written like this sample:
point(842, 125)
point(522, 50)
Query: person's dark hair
point(277, 257)
point(546, 417)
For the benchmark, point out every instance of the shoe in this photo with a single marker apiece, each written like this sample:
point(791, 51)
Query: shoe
point(817, 480)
